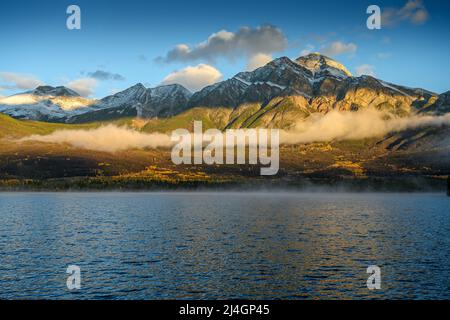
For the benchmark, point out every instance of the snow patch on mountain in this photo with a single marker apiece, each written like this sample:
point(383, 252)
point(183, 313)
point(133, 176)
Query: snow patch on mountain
point(45, 103)
point(319, 64)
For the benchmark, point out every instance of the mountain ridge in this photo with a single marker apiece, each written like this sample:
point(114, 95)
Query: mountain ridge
point(274, 95)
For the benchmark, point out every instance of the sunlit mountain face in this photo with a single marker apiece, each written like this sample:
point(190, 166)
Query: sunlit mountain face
point(311, 83)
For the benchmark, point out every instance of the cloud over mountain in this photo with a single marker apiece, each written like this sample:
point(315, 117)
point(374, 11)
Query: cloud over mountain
point(194, 77)
point(84, 86)
point(338, 47)
point(258, 60)
point(246, 41)
point(365, 69)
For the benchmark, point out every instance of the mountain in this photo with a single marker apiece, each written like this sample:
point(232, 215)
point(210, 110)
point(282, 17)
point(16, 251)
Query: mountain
point(322, 66)
point(421, 140)
point(439, 105)
point(428, 139)
point(45, 103)
point(54, 91)
point(312, 83)
point(166, 101)
point(274, 79)
point(275, 95)
point(61, 104)
point(162, 101)
point(284, 91)
point(121, 104)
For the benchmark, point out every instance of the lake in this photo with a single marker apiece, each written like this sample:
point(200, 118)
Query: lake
point(262, 245)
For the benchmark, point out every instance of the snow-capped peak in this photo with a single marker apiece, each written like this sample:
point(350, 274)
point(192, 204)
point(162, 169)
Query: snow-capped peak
point(319, 65)
point(132, 95)
point(169, 89)
point(137, 88)
point(45, 103)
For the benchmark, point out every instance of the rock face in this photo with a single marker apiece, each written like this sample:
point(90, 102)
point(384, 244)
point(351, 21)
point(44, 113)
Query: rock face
point(283, 91)
point(438, 106)
point(163, 101)
point(324, 82)
point(133, 96)
point(278, 78)
point(310, 76)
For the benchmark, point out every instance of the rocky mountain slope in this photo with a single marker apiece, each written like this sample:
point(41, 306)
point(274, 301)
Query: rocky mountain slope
point(278, 94)
point(45, 103)
point(438, 106)
point(138, 101)
point(61, 104)
point(429, 138)
point(281, 92)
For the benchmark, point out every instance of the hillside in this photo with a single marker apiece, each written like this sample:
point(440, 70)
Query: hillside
point(10, 127)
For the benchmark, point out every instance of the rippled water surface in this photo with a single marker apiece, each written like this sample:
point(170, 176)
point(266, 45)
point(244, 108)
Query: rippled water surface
point(224, 245)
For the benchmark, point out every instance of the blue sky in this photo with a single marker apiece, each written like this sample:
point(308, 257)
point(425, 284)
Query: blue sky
point(120, 41)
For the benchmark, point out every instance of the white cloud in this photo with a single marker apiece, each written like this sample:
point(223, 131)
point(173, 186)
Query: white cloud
point(19, 81)
point(194, 77)
point(84, 86)
point(246, 41)
point(336, 48)
point(413, 11)
point(365, 69)
point(339, 125)
point(108, 138)
point(335, 125)
point(258, 60)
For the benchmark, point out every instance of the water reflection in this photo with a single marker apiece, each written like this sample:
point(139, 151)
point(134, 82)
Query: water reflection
point(224, 245)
